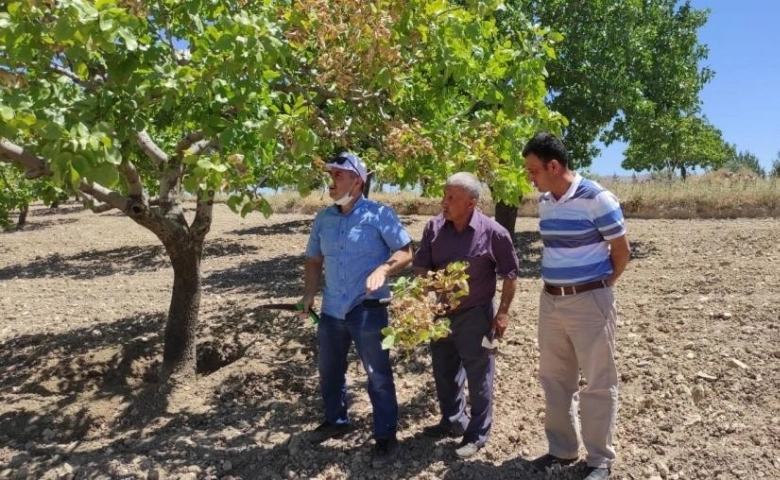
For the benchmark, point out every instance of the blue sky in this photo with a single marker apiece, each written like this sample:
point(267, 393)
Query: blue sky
point(743, 100)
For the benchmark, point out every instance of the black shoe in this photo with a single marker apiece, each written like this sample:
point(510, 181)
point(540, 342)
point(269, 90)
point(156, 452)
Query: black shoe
point(328, 430)
point(547, 460)
point(385, 452)
point(440, 431)
point(595, 473)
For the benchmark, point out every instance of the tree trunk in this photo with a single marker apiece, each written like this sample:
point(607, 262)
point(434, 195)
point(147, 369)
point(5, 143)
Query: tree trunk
point(506, 216)
point(367, 185)
point(683, 173)
point(179, 353)
point(22, 217)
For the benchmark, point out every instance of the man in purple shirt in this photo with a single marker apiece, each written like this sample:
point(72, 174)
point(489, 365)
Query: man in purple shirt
point(462, 233)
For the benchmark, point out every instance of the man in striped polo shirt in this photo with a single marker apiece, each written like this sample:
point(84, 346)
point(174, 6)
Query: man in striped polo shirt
point(585, 251)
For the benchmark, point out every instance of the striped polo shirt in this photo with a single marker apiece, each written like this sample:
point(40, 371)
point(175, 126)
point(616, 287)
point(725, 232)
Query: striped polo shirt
point(574, 231)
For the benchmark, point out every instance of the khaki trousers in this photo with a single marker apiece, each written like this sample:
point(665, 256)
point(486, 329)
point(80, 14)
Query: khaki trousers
point(578, 332)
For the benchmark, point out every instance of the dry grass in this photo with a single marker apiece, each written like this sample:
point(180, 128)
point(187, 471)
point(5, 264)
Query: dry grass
point(708, 196)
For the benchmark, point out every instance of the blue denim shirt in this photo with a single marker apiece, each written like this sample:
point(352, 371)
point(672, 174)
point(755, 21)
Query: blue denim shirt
point(353, 246)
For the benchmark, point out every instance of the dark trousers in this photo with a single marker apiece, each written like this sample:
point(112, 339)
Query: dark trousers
point(461, 357)
point(334, 335)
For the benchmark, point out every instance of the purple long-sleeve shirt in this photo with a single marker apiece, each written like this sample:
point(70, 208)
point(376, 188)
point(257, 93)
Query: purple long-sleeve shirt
point(484, 244)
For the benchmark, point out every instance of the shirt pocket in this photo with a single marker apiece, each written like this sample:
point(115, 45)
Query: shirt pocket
point(479, 263)
point(364, 238)
point(329, 240)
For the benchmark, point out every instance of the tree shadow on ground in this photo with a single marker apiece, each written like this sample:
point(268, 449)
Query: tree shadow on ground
point(528, 246)
point(63, 209)
point(31, 226)
point(103, 263)
point(60, 371)
point(274, 277)
point(294, 227)
point(89, 397)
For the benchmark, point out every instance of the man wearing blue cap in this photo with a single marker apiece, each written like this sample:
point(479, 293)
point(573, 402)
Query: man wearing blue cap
point(357, 243)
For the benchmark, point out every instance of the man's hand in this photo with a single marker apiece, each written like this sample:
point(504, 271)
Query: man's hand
point(376, 280)
point(308, 302)
point(500, 324)
point(397, 262)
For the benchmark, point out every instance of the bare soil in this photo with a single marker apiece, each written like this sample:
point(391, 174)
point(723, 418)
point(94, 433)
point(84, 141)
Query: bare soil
point(84, 298)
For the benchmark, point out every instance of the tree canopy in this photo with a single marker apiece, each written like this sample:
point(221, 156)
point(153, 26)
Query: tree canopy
point(622, 63)
point(234, 94)
point(134, 103)
point(672, 143)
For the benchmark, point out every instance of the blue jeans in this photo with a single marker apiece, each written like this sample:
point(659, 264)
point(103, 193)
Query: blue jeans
point(362, 326)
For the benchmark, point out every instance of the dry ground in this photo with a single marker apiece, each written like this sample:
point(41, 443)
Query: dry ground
point(83, 300)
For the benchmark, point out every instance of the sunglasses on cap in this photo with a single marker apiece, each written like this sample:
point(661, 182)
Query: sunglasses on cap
point(343, 158)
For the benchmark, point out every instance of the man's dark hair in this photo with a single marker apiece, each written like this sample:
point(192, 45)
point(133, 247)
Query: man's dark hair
point(547, 147)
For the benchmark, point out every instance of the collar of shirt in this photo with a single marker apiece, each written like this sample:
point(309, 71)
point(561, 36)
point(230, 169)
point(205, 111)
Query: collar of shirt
point(474, 222)
point(566, 196)
point(359, 203)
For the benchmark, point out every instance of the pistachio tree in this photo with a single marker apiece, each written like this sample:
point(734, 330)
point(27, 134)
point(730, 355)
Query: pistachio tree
point(137, 105)
point(674, 143)
point(619, 58)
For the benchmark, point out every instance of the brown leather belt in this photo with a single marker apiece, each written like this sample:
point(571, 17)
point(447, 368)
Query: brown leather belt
point(575, 289)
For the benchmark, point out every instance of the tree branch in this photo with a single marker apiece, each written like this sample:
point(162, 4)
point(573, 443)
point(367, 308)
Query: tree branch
point(103, 194)
point(198, 147)
point(78, 81)
point(188, 140)
point(92, 204)
point(150, 148)
point(134, 185)
point(33, 165)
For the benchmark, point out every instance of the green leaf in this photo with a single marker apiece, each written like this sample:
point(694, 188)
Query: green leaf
point(112, 155)
point(388, 342)
point(205, 163)
point(105, 174)
point(190, 183)
point(6, 113)
point(74, 176)
point(234, 201)
point(248, 207)
point(106, 22)
point(130, 40)
point(265, 207)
